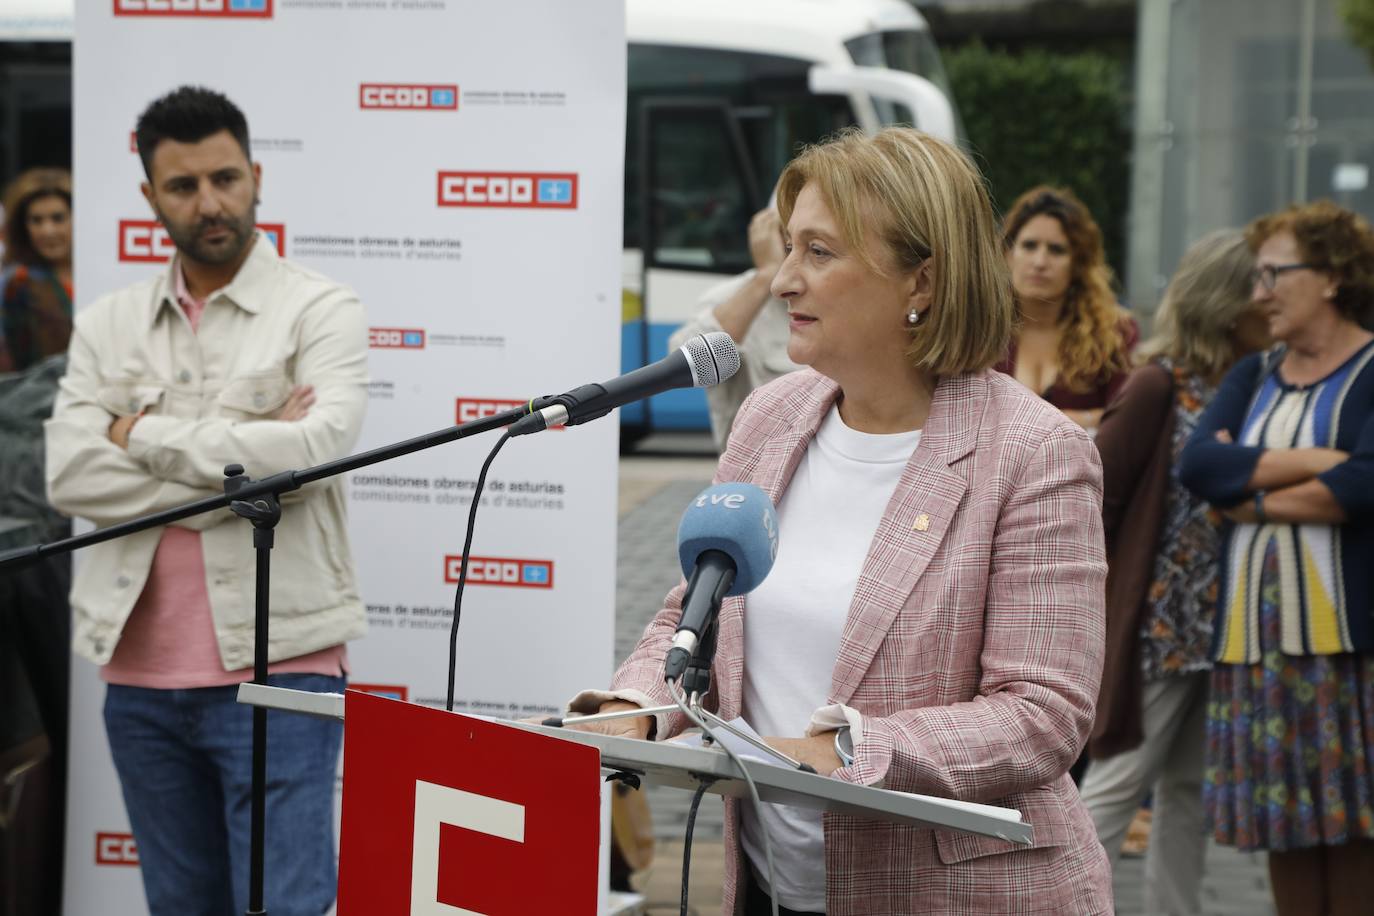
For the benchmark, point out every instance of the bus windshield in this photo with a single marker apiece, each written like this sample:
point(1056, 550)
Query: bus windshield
point(910, 50)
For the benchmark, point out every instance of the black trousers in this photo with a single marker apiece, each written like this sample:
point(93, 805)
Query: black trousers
point(757, 903)
point(35, 649)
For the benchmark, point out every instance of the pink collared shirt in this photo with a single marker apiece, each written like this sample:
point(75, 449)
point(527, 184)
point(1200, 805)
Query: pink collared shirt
point(169, 640)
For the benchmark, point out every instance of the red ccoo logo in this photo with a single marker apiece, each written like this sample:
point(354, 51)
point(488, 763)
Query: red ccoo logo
point(396, 338)
point(407, 97)
point(543, 190)
point(470, 409)
point(144, 240)
point(502, 571)
point(217, 9)
point(115, 849)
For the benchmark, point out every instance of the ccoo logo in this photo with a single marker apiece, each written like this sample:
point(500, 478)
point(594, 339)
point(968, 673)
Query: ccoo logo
point(219, 9)
point(145, 240)
point(470, 409)
point(396, 338)
point(407, 97)
point(115, 849)
point(503, 571)
point(541, 190)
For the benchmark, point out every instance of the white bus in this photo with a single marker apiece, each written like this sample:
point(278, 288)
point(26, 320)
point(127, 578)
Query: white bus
point(721, 94)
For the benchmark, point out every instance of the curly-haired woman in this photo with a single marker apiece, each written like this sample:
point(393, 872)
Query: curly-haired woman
point(1074, 341)
point(36, 271)
point(1286, 449)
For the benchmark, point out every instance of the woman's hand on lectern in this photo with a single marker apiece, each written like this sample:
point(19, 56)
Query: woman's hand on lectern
point(628, 727)
point(818, 751)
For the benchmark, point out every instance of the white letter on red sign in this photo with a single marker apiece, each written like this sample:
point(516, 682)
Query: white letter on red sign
point(437, 805)
point(163, 246)
point(136, 241)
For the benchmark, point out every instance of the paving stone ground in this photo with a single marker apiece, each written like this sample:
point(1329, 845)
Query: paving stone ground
point(653, 493)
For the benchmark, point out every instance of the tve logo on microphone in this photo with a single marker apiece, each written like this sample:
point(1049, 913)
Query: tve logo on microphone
point(227, 9)
point(503, 571)
point(407, 97)
point(146, 241)
point(529, 190)
point(115, 849)
point(396, 338)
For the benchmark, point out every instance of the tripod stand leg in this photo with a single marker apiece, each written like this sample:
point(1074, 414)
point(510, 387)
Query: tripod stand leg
point(264, 512)
point(262, 541)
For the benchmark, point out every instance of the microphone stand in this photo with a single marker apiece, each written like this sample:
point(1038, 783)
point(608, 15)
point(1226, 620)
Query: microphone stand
point(259, 501)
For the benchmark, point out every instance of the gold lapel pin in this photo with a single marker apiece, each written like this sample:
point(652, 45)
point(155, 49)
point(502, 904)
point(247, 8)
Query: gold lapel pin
point(922, 523)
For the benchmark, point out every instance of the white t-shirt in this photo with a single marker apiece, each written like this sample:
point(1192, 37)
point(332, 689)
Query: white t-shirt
point(794, 620)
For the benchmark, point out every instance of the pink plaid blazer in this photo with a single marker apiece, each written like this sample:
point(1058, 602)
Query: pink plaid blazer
point(973, 649)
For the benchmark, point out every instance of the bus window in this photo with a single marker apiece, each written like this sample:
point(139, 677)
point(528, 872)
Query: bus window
point(768, 98)
point(701, 192)
point(908, 49)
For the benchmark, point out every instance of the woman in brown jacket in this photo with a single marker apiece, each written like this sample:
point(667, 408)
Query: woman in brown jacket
point(1162, 547)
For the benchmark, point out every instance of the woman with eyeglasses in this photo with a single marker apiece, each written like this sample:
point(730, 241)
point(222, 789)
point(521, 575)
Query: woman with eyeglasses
point(1286, 450)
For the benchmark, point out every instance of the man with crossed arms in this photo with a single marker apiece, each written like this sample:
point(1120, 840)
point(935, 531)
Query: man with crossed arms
point(231, 355)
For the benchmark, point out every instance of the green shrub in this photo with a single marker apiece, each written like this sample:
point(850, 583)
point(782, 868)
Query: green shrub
point(1359, 23)
point(1039, 117)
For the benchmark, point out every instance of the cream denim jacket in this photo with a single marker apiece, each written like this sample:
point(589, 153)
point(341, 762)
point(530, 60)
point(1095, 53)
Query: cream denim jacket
point(207, 399)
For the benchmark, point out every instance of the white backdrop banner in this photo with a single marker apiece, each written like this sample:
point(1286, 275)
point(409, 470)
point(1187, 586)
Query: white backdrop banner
point(459, 164)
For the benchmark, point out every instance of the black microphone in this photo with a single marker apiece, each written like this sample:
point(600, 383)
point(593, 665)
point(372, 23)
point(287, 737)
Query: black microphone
point(705, 360)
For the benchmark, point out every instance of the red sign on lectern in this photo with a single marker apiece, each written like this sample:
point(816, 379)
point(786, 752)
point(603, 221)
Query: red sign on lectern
point(446, 815)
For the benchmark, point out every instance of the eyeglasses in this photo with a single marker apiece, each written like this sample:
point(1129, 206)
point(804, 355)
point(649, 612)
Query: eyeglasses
point(1268, 275)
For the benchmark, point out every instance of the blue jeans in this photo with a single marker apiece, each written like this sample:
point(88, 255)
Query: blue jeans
point(184, 759)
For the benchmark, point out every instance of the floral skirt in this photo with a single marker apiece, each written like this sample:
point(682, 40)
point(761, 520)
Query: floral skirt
point(1290, 743)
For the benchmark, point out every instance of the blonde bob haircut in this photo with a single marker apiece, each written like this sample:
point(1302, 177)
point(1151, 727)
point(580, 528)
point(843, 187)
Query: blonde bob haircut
point(902, 198)
point(1205, 301)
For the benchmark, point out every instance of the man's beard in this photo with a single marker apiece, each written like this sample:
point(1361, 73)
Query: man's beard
point(190, 242)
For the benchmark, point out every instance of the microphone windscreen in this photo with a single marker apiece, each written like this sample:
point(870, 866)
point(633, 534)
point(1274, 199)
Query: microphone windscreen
point(737, 519)
point(713, 358)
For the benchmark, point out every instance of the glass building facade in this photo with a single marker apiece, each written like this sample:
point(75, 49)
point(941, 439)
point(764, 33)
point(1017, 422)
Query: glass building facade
point(1242, 107)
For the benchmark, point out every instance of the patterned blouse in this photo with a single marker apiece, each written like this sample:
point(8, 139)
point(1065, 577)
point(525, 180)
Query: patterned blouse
point(35, 317)
point(1176, 628)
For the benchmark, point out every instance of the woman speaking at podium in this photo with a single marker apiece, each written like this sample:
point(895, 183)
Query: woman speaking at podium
point(937, 600)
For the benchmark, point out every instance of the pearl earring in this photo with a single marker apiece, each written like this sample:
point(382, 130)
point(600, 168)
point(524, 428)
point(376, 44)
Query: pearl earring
point(913, 317)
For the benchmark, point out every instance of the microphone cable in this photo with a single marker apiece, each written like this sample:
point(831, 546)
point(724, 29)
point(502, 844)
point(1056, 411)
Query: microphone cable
point(681, 702)
point(687, 840)
point(463, 568)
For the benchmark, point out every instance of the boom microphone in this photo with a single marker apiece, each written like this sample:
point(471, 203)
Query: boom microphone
point(705, 360)
point(726, 543)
